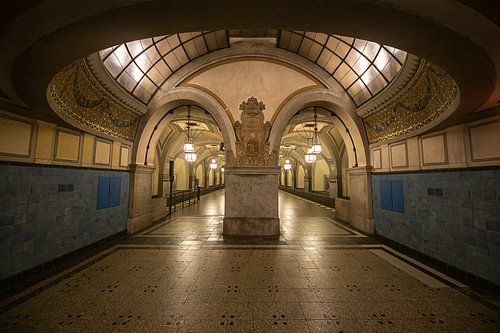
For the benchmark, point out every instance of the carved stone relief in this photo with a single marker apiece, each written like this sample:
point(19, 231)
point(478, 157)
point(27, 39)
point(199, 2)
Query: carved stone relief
point(252, 134)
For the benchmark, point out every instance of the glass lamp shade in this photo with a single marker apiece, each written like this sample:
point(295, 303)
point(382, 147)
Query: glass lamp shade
point(222, 169)
point(316, 149)
point(310, 158)
point(190, 157)
point(213, 164)
point(287, 165)
point(188, 147)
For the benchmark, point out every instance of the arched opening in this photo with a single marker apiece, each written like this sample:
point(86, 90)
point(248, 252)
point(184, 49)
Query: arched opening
point(402, 97)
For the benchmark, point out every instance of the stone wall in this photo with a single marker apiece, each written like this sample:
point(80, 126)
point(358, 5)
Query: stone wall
point(41, 218)
point(460, 228)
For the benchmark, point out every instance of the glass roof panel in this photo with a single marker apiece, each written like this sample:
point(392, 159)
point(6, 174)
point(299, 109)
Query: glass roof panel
point(141, 66)
point(362, 67)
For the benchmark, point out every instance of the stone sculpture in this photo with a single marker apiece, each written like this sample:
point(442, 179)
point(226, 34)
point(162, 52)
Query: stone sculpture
point(252, 145)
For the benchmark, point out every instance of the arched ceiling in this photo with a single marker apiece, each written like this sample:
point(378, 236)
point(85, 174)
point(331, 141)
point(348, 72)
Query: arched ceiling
point(45, 36)
point(363, 68)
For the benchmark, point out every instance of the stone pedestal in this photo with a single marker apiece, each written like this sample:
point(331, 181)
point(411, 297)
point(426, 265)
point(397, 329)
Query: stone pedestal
point(251, 202)
point(140, 208)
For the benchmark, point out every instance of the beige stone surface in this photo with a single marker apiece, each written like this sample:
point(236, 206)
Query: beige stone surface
point(245, 78)
point(360, 206)
point(399, 155)
point(15, 137)
point(377, 158)
point(485, 141)
point(44, 142)
point(88, 149)
point(102, 152)
point(434, 150)
point(124, 156)
point(115, 161)
point(455, 141)
point(68, 146)
point(251, 204)
point(140, 207)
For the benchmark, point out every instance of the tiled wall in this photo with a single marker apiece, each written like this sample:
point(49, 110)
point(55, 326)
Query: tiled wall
point(460, 228)
point(38, 223)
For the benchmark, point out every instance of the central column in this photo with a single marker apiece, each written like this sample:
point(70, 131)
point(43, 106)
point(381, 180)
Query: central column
point(251, 178)
point(251, 203)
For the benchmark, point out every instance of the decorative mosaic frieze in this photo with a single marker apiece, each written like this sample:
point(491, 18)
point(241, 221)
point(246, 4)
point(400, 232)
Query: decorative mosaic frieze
point(78, 96)
point(427, 97)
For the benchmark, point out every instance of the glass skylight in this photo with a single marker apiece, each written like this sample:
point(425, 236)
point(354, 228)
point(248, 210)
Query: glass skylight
point(363, 68)
point(142, 66)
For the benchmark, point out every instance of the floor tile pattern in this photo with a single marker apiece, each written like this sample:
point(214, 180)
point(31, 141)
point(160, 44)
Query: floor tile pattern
point(196, 285)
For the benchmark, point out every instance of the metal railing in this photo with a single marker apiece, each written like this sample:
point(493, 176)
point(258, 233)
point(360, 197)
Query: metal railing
point(313, 196)
point(184, 198)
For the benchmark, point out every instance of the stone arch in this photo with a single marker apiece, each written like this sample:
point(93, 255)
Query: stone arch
point(343, 107)
point(151, 122)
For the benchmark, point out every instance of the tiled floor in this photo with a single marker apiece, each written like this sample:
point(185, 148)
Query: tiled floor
point(182, 276)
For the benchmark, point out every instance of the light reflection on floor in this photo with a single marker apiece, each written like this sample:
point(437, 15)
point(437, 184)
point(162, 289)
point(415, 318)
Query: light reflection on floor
point(180, 276)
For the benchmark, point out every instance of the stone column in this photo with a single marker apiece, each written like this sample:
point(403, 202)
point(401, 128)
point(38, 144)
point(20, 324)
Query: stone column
point(360, 206)
point(251, 201)
point(333, 186)
point(308, 178)
point(140, 207)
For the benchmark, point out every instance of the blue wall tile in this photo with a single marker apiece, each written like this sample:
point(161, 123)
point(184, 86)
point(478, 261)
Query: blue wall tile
point(39, 224)
point(461, 228)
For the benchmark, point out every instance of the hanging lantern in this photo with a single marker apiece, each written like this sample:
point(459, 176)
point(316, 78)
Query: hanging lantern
point(287, 165)
point(222, 169)
point(213, 164)
point(316, 149)
point(188, 147)
point(310, 157)
point(316, 146)
point(190, 157)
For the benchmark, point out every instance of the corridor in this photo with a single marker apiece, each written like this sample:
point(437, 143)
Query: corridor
point(181, 275)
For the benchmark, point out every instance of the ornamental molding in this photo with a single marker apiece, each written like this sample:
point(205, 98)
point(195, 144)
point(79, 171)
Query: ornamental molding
point(252, 137)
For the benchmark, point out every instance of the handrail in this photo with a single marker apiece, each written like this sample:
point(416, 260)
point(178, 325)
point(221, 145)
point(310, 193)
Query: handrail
point(188, 197)
point(319, 198)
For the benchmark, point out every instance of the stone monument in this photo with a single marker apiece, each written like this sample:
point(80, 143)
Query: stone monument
point(252, 172)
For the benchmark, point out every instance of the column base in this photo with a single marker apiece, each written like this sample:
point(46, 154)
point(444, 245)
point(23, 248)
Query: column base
point(251, 227)
point(138, 223)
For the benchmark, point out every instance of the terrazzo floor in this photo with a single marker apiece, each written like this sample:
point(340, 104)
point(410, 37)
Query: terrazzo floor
point(182, 276)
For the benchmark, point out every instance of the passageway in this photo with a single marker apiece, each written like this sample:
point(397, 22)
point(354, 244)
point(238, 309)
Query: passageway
point(180, 275)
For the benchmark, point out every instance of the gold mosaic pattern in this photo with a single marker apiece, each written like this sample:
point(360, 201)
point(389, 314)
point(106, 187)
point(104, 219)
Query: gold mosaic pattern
point(79, 97)
point(429, 95)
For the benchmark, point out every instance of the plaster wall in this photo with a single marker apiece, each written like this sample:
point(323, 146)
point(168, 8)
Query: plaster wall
point(320, 171)
point(32, 141)
point(300, 177)
point(466, 145)
point(181, 174)
point(244, 78)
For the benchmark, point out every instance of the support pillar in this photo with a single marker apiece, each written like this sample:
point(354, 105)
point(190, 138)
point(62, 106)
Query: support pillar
point(358, 210)
point(140, 207)
point(251, 201)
